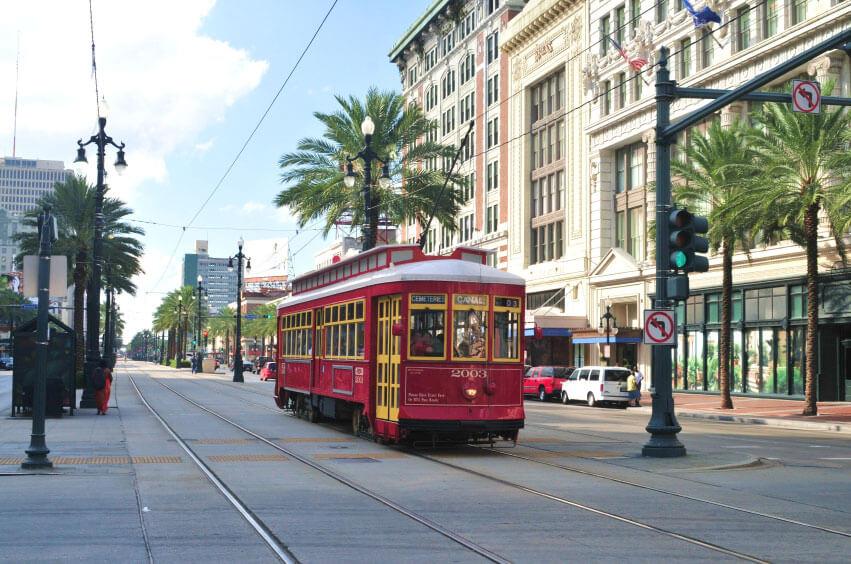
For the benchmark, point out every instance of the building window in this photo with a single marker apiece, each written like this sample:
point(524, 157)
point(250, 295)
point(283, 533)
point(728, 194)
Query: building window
point(546, 242)
point(765, 304)
point(634, 14)
point(799, 11)
point(448, 121)
point(492, 47)
point(620, 24)
point(493, 6)
point(431, 97)
point(493, 175)
point(798, 302)
point(547, 96)
point(621, 101)
point(605, 25)
point(769, 18)
point(620, 229)
point(707, 48)
point(447, 85)
point(635, 227)
point(412, 76)
point(493, 90)
point(549, 298)
point(547, 194)
point(448, 43)
point(468, 188)
point(607, 98)
point(467, 108)
point(629, 168)
point(492, 218)
point(493, 133)
point(661, 11)
point(465, 228)
point(743, 28)
point(636, 86)
point(467, 25)
point(685, 58)
point(713, 308)
point(467, 67)
point(430, 58)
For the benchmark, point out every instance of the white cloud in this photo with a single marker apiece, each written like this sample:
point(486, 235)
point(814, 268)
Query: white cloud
point(205, 146)
point(165, 82)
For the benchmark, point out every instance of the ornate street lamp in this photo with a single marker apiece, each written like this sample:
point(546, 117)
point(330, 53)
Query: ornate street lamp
point(384, 181)
point(608, 327)
point(100, 140)
point(201, 293)
point(237, 355)
point(180, 337)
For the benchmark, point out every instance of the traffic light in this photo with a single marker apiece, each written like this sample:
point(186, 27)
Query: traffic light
point(684, 228)
point(206, 332)
point(685, 243)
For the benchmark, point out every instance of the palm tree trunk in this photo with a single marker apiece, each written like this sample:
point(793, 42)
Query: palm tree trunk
point(79, 312)
point(724, 352)
point(170, 348)
point(811, 235)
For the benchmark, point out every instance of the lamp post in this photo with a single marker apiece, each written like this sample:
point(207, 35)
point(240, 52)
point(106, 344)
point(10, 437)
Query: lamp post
point(237, 354)
point(608, 327)
point(38, 451)
point(162, 345)
point(370, 218)
point(201, 291)
point(100, 140)
point(180, 336)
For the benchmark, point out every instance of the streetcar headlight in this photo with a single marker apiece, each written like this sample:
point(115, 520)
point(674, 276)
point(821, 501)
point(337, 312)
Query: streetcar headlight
point(471, 393)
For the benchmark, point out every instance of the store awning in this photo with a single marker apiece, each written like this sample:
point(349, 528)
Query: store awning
point(548, 332)
point(602, 340)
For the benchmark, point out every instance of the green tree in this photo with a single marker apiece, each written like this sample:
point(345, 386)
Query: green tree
point(176, 314)
point(313, 175)
point(806, 170)
point(223, 324)
point(713, 171)
point(73, 205)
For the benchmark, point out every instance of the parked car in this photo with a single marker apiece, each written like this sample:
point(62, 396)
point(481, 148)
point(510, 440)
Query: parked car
point(6, 363)
point(596, 384)
point(260, 362)
point(269, 371)
point(545, 381)
point(247, 366)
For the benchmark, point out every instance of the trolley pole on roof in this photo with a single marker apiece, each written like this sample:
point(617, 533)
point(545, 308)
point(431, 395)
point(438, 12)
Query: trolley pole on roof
point(663, 426)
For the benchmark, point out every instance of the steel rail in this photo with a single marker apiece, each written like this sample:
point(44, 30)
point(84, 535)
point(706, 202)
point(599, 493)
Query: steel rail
point(601, 512)
point(466, 543)
point(272, 541)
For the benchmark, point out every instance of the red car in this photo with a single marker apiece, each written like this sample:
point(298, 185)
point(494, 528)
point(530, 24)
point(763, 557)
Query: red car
point(270, 371)
point(545, 381)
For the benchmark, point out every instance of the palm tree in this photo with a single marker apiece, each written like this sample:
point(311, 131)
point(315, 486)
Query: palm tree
point(314, 174)
point(264, 325)
point(223, 324)
point(175, 314)
point(73, 205)
point(713, 171)
point(806, 170)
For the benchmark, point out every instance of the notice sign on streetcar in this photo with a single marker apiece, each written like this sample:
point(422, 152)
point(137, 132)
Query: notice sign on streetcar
point(806, 96)
point(660, 327)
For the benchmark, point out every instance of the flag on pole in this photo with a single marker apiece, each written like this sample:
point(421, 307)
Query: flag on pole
point(636, 62)
point(701, 17)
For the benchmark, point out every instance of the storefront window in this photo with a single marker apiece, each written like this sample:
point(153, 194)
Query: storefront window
point(736, 357)
point(796, 359)
point(695, 360)
point(713, 310)
point(578, 355)
point(712, 361)
point(736, 314)
point(798, 299)
point(752, 358)
point(782, 365)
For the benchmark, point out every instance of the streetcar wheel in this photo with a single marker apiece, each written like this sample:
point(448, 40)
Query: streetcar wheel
point(591, 400)
point(312, 412)
point(299, 406)
point(564, 398)
point(356, 417)
point(542, 394)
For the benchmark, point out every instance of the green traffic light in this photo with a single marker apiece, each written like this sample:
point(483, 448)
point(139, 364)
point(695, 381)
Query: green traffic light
point(680, 259)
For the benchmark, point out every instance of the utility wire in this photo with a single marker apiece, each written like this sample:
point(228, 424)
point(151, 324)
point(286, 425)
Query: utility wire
point(94, 63)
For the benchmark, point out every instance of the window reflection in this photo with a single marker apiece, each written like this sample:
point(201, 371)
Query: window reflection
point(469, 332)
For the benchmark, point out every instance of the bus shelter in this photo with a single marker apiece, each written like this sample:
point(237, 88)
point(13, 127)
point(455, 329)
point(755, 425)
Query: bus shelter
point(61, 385)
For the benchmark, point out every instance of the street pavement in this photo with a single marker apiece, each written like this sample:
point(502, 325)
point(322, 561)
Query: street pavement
point(575, 488)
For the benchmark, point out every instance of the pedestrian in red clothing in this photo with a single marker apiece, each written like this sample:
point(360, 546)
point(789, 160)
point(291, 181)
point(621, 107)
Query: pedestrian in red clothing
point(102, 395)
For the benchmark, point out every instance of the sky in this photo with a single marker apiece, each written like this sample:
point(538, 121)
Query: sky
point(183, 84)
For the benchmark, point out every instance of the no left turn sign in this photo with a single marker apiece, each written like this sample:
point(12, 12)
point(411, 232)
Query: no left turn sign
point(659, 327)
point(806, 96)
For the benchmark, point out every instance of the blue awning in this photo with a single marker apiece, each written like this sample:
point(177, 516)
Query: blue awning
point(602, 340)
point(548, 332)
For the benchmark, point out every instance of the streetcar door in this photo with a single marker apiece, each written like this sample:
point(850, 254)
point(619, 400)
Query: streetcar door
point(387, 358)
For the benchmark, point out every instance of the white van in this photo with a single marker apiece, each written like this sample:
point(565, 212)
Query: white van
point(594, 384)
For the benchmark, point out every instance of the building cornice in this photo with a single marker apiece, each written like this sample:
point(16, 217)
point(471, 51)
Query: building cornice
point(530, 23)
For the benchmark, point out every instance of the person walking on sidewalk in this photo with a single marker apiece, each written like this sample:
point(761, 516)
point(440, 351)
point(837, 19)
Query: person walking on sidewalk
point(631, 389)
point(102, 395)
point(639, 377)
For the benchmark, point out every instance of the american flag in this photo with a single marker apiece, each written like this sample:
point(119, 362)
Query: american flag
point(636, 62)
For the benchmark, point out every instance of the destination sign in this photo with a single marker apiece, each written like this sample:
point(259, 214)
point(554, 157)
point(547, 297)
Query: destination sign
point(506, 302)
point(471, 300)
point(428, 299)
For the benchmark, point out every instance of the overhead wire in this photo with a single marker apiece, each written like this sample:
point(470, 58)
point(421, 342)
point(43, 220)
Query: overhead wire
point(94, 63)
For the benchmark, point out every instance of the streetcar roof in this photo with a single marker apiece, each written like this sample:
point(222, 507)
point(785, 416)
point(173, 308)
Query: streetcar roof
point(443, 270)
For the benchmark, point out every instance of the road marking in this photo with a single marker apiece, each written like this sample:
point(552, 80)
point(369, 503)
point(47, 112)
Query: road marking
point(740, 446)
point(837, 458)
point(818, 446)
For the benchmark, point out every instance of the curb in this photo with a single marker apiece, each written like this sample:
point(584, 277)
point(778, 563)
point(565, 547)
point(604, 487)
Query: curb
point(833, 427)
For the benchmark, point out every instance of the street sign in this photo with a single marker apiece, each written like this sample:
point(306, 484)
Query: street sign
point(806, 96)
point(660, 327)
point(249, 316)
point(29, 305)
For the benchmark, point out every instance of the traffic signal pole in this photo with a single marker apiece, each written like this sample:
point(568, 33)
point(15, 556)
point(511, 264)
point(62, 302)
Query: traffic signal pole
point(663, 426)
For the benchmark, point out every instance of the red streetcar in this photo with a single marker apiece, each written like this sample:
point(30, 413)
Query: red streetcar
point(408, 346)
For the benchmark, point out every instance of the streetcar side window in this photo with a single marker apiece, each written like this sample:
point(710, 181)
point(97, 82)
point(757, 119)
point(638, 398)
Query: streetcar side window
point(344, 330)
point(427, 327)
point(296, 334)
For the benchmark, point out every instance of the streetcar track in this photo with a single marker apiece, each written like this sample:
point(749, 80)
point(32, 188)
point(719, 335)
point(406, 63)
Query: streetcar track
point(272, 541)
point(463, 541)
point(671, 493)
point(601, 512)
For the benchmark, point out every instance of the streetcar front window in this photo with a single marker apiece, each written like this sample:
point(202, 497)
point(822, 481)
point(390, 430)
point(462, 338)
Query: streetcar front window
point(427, 333)
point(505, 335)
point(469, 334)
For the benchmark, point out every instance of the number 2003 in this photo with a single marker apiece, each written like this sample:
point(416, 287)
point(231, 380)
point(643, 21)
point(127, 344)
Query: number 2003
point(469, 373)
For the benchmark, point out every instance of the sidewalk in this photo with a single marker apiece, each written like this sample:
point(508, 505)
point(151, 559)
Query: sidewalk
point(832, 416)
